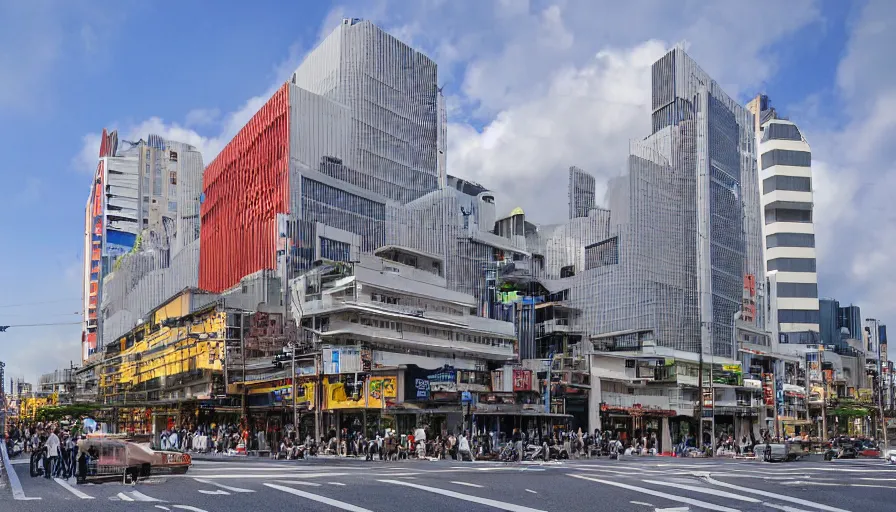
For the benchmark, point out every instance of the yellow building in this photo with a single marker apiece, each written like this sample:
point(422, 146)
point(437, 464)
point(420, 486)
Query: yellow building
point(159, 370)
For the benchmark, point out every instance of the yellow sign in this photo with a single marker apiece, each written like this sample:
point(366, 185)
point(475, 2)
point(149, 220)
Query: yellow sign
point(731, 368)
point(339, 396)
point(380, 387)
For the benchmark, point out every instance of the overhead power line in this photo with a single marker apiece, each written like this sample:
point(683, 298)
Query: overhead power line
point(39, 303)
point(3, 328)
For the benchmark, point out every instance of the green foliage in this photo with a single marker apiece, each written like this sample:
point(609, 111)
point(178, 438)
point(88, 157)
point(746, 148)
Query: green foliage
point(59, 412)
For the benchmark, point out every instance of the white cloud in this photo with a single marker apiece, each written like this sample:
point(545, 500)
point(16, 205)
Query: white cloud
point(202, 116)
point(854, 170)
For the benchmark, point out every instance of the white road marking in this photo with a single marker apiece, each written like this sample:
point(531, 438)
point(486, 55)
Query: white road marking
point(468, 484)
point(280, 474)
point(530, 490)
point(641, 503)
point(337, 483)
point(671, 497)
point(65, 485)
point(785, 508)
point(320, 499)
point(298, 482)
point(124, 497)
point(188, 507)
point(163, 508)
point(139, 496)
point(774, 495)
point(704, 490)
point(222, 486)
point(219, 492)
point(672, 509)
point(466, 497)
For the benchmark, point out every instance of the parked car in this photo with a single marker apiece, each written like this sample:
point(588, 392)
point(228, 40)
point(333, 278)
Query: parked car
point(114, 458)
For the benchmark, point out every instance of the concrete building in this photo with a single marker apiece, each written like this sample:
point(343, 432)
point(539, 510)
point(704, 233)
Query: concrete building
point(389, 317)
point(581, 192)
point(785, 171)
point(149, 188)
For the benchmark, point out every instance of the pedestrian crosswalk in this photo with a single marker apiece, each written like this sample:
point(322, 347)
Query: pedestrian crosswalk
point(634, 485)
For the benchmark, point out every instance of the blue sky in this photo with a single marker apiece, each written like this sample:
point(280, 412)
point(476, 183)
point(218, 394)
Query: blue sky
point(533, 87)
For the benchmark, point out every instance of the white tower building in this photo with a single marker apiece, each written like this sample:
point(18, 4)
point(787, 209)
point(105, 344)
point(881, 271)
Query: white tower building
point(785, 176)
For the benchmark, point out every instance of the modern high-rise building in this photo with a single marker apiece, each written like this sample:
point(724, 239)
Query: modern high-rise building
point(150, 186)
point(850, 318)
point(353, 135)
point(684, 242)
point(789, 235)
point(581, 192)
point(390, 93)
point(829, 321)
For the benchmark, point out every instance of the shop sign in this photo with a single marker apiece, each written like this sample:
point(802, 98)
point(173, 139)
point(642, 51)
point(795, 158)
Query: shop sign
point(498, 398)
point(381, 390)
point(466, 397)
point(753, 383)
point(735, 368)
point(443, 380)
point(522, 380)
point(344, 395)
point(421, 388)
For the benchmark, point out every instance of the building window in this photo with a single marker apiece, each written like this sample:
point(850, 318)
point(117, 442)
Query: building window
point(172, 177)
point(795, 183)
point(172, 206)
point(786, 157)
point(334, 250)
point(172, 156)
point(787, 215)
point(792, 264)
point(790, 240)
point(602, 253)
point(781, 131)
point(798, 316)
point(798, 290)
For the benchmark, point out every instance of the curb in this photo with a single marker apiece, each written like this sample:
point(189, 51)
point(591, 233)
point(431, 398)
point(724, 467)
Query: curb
point(17, 492)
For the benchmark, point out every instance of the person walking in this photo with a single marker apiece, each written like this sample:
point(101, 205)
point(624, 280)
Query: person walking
point(463, 447)
point(518, 444)
point(51, 457)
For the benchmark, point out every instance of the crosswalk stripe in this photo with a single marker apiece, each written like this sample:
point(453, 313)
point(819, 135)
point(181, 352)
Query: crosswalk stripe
point(280, 474)
point(298, 482)
point(320, 499)
point(217, 492)
point(139, 496)
point(467, 484)
point(774, 495)
point(785, 508)
point(704, 490)
point(510, 507)
point(188, 507)
point(124, 497)
point(65, 485)
point(671, 497)
point(222, 486)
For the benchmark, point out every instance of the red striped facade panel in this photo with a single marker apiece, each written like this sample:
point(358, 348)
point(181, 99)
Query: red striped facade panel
point(245, 187)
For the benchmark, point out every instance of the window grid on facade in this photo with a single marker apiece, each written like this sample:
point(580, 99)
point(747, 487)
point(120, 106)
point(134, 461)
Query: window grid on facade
point(786, 157)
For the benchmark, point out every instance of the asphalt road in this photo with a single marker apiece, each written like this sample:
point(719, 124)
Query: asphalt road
point(635, 484)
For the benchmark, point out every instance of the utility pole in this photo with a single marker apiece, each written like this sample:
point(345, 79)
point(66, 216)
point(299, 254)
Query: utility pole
point(699, 439)
point(295, 405)
point(245, 415)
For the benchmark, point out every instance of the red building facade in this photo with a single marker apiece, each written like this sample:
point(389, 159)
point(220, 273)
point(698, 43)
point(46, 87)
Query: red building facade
point(244, 189)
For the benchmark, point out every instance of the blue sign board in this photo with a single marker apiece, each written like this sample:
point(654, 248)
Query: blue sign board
point(466, 397)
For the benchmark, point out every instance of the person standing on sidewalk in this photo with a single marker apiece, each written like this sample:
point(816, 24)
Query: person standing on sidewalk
point(51, 457)
point(518, 444)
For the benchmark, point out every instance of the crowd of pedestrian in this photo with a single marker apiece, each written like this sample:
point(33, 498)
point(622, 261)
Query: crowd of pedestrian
point(53, 446)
